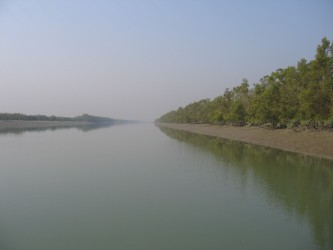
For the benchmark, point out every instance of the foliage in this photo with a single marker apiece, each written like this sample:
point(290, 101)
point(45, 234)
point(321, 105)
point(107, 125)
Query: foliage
point(84, 118)
point(301, 94)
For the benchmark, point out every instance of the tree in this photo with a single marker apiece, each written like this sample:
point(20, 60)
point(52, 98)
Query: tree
point(293, 95)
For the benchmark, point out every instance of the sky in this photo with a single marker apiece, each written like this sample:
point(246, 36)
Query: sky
point(138, 59)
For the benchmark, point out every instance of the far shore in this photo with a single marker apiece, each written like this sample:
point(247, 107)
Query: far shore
point(309, 142)
point(16, 124)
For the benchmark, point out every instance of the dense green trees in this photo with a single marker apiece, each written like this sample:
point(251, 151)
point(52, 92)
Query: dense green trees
point(296, 95)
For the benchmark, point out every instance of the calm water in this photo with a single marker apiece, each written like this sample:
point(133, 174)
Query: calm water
point(141, 187)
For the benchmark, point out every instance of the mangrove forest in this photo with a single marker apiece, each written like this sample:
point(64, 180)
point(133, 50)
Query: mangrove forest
point(300, 95)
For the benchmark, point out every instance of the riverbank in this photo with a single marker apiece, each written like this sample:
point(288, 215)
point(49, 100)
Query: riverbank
point(14, 124)
point(308, 142)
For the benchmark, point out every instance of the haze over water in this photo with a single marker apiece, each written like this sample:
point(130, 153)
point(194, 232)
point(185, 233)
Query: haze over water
point(141, 187)
point(137, 186)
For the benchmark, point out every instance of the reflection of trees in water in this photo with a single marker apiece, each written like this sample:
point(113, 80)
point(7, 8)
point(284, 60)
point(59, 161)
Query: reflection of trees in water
point(302, 184)
point(84, 128)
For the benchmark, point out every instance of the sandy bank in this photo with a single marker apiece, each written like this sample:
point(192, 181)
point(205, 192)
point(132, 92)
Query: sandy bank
point(309, 142)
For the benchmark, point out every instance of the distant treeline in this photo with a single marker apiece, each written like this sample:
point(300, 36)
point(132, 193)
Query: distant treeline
point(299, 95)
point(84, 117)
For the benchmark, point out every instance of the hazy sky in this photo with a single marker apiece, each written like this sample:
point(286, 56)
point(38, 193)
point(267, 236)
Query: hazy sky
point(137, 59)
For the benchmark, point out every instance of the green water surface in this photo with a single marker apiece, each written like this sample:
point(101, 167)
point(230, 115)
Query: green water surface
point(142, 187)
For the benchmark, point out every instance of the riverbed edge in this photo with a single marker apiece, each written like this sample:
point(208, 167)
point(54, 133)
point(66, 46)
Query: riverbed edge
point(307, 142)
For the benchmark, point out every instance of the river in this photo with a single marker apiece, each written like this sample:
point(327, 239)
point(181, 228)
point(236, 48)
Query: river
point(142, 187)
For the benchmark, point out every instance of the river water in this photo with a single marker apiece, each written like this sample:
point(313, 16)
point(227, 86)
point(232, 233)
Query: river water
point(142, 187)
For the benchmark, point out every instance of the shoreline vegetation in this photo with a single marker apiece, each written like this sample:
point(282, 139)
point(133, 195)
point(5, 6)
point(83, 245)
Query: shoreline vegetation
point(21, 121)
point(298, 96)
point(317, 143)
point(290, 109)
